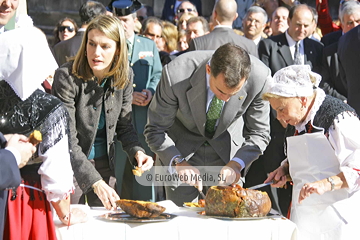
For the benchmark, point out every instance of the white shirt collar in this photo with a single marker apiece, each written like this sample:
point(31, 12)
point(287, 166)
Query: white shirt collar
point(223, 26)
point(291, 41)
point(132, 39)
point(257, 40)
point(2, 29)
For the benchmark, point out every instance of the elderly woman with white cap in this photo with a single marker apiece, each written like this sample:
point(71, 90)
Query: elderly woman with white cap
point(323, 157)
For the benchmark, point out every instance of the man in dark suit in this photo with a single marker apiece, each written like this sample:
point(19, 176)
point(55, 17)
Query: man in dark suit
point(224, 14)
point(179, 129)
point(279, 51)
point(67, 49)
point(15, 152)
point(349, 16)
point(171, 6)
point(349, 53)
point(145, 61)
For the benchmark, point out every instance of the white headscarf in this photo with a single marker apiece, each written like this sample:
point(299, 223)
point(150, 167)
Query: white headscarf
point(294, 81)
point(25, 60)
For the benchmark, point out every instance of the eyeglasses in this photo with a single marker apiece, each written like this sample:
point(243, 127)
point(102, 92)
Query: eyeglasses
point(62, 28)
point(182, 10)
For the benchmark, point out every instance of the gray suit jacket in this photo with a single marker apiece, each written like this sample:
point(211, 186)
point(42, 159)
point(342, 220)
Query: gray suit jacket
point(220, 36)
point(177, 113)
point(84, 101)
point(275, 53)
point(66, 49)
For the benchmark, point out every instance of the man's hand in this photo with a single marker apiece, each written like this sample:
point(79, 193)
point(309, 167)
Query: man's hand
point(189, 175)
point(144, 161)
point(21, 144)
point(142, 98)
point(230, 173)
point(106, 194)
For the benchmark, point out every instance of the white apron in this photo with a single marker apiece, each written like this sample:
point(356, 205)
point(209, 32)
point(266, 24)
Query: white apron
point(319, 217)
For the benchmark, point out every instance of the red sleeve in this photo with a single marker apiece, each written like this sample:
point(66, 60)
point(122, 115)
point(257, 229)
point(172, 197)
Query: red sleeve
point(325, 22)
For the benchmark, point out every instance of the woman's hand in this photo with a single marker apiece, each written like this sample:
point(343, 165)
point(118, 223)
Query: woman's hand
point(106, 194)
point(75, 216)
point(144, 161)
point(319, 187)
point(278, 176)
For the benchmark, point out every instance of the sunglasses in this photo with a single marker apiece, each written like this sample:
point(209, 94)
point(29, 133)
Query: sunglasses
point(182, 10)
point(141, 18)
point(62, 28)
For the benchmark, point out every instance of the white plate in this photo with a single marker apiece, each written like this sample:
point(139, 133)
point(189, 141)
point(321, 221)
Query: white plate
point(194, 208)
point(269, 216)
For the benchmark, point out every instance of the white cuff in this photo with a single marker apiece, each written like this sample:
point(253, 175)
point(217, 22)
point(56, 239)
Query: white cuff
point(171, 168)
point(284, 162)
point(239, 161)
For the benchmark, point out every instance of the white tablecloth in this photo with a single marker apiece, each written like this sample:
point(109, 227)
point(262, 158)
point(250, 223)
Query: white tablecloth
point(187, 225)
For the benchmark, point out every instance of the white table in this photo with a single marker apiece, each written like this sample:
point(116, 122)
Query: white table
point(187, 225)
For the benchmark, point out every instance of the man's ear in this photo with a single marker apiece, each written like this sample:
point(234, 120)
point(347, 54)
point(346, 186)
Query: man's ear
point(208, 69)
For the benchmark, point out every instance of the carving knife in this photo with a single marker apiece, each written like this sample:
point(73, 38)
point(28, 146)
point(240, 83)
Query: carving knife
point(260, 185)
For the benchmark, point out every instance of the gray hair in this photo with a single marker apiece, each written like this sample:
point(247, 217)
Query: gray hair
point(256, 9)
point(348, 8)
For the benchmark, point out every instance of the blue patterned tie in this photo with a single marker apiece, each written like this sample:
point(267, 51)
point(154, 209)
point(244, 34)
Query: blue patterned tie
point(213, 115)
point(297, 57)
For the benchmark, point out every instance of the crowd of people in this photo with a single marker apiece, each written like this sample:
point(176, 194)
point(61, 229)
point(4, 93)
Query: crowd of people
point(267, 90)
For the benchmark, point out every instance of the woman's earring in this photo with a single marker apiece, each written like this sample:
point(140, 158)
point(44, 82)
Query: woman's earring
point(85, 53)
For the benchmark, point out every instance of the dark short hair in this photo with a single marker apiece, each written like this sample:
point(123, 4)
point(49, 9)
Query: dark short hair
point(90, 10)
point(233, 61)
point(294, 9)
point(154, 20)
point(204, 22)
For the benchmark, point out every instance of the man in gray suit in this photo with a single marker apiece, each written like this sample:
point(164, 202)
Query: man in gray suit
point(178, 130)
point(224, 14)
point(67, 49)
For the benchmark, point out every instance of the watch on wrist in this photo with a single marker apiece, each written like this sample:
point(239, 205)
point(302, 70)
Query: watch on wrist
point(178, 160)
point(331, 181)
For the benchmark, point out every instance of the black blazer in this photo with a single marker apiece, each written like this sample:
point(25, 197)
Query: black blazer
point(220, 36)
point(9, 177)
point(275, 53)
point(68, 48)
point(349, 52)
point(331, 81)
point(168, 10)
point(331, 38)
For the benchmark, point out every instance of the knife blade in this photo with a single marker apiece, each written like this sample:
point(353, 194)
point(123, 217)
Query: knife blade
point(260, 185)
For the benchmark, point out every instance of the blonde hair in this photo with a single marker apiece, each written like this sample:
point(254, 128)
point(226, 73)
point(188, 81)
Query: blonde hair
point(113, 29)
point(170, 35)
